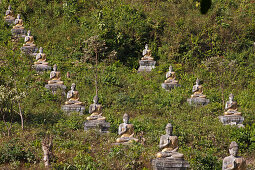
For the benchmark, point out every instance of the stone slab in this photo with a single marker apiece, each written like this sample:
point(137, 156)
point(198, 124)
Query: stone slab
point(198, 101)
point(19, 32)
point(73, 108)
point(10, 21)
point(54, 87)
point(29, 49)
point(169, 164)
point(146, 65)
point(169, 86)
point(101, 125)
point(41, 67)
point(232, 120)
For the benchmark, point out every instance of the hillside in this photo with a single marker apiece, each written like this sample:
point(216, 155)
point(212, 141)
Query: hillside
point(218, 48)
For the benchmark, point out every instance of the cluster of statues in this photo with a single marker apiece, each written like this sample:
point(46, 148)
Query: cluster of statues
point(168, 157)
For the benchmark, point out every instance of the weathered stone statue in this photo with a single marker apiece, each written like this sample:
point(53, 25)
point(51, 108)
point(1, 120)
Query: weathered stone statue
point(41, 64)
point(198, 98)
point(231, 107)
point(9, 18)
point(231, 115)
point(170, 81)
point(54, 83)
point(18, 29)
point(234, 162)
point(73, 104)
point(96, 120)
point(29, 46)
point(169, 158)
point(95, 110)
point(126, 130)
point(147, 63)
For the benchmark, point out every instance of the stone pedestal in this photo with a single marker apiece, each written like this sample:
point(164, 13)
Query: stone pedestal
point(54, 87)
point(41, 67)
point(10, 21)
point(29, 49)
point(169, 86)
point(146, 65)
point(73, 108)
point(101, 125)
point(198, 101)
point(232, 120)
point(169, 164)
point(19, 32)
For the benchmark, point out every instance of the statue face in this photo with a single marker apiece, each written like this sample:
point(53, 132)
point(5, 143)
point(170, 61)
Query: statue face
point(9, 7)
point(28, 33)
point(146, 46)
point(95, 99)
point(233, 151)
point(55, 67)
point(40, 50)
point(125, 120)
point(18, 17)
point(73, 87)
point(169, 130)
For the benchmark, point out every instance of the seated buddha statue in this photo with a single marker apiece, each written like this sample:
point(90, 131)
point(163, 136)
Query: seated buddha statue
point(9, 13)
point(95, 110)
point(233, 162)
point(170, 76)
point(231, 106)
point(41, 57)
point(55, 76)
point(18, 23)
point(146, 53)
point(197, 90)
point(73, 96)
point(126, 130)
point(169, 145)
point(29, 39)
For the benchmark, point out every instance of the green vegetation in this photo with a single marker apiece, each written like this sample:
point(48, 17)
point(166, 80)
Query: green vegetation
point(216, 47)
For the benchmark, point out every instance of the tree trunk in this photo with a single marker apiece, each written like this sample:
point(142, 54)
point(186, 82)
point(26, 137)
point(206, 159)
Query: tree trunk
point(47, 151)
point(21, 117)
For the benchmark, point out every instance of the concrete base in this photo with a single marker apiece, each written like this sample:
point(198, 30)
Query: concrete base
point(10, 21)
point(54, 87)
point(73, 108)
point(232, 120)
point(198, 101)
point(146, 65)
point(29, 49)
point(100, 125)
point(169, 164)
point(169, 86)
point(41, 67)
point(17, 32)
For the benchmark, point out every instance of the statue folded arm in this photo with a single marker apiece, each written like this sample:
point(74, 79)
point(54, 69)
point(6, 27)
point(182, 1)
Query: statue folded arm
point(122, 129)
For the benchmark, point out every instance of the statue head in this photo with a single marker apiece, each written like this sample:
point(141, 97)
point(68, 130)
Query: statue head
point(55, 67)
point(233, 149)
point(18, 16)
point(95, 99)
point(126, 118)
point(170, 68)
point(9, 7)
point(231, 97)
point(169, 129)
point(197, 81)
point(40, 50)
point(28, 33)
point(146, 46)
point(73, 86)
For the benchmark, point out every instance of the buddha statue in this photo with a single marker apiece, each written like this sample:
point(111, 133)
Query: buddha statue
point(233, 162)
point(9, 14)
point(29, 40)
point(146, 53)
point(231, 106)
point(95, 110)
point(126, 130)
point(41, 57)
point(73, 96)
point(169, 145)
point(170, 76)
point(18, 23)
point(197, 90)
point(55, 76)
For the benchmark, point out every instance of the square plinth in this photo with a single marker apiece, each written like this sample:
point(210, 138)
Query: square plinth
point(19, 32)
point(232, 120)
point(73, 108)
point(55, 87)
point(195, 101)
point(169, 164)
point(10, 21)
point(41, 67)
point(146, 65)
point(29, 49)
point(169, 86)
point(100, 125)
